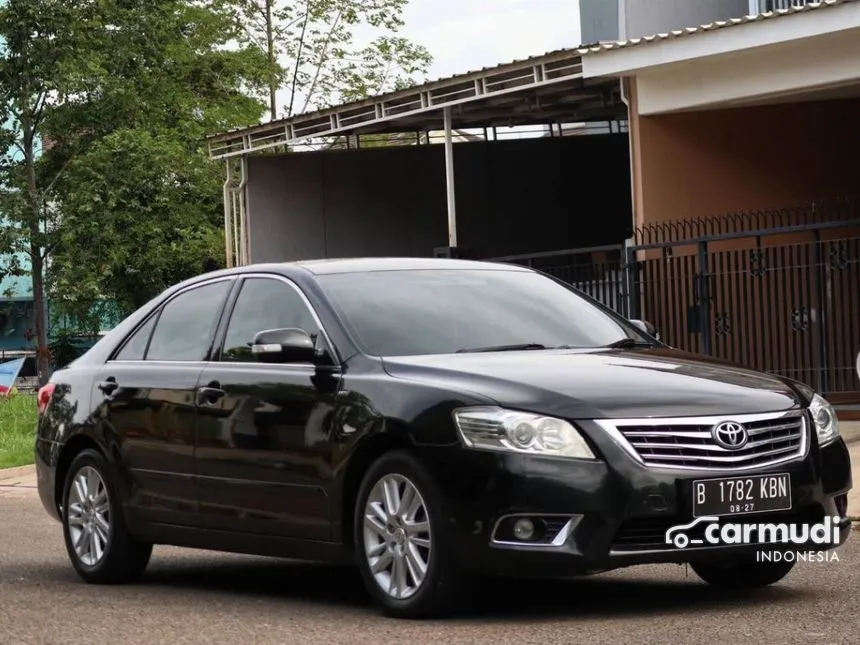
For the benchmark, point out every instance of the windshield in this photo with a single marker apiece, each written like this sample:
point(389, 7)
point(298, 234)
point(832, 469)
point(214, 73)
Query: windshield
point(414, 312)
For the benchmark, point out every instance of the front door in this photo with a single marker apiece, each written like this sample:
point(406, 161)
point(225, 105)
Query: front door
point(145, 397)
point(264, 437)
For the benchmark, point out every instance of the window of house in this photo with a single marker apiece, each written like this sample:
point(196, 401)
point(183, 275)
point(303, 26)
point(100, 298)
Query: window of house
point(765, 6)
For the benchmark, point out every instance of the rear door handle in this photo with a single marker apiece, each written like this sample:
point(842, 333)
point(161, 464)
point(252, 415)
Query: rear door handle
point(210, 393)
point(108, 386)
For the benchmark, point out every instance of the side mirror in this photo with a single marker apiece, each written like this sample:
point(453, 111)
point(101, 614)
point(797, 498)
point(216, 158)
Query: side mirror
point(283, 346)
point(647, 327)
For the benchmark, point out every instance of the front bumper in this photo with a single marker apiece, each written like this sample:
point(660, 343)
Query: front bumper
point(615, 512)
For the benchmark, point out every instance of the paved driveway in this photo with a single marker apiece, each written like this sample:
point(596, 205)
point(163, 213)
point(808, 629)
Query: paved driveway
point(197, 597)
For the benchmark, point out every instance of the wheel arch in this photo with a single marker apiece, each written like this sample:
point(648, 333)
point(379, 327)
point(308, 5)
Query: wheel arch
point(72, 448)
point(395, 436)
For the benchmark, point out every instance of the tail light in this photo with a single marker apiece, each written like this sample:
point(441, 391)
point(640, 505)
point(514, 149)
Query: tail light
point(45, 394)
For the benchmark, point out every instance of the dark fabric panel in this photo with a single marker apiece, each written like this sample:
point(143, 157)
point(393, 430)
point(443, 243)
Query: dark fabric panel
point(520, 196)
point(286, 207)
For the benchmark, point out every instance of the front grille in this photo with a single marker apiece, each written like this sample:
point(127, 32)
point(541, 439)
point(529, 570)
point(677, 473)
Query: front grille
point(649, 534)
point(689, 443)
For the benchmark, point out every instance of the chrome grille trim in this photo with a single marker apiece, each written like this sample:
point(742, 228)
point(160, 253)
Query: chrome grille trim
point(685, 443)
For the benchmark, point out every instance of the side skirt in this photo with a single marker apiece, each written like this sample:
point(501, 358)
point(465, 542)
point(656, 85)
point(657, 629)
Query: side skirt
point(247, 543)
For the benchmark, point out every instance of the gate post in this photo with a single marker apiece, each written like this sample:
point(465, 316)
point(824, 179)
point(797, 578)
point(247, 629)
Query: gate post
point(819, 267)
point(631, 279)
point(704, 298)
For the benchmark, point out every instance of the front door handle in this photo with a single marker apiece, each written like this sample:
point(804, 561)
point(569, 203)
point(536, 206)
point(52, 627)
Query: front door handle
point(210, 393)
point(108, 386)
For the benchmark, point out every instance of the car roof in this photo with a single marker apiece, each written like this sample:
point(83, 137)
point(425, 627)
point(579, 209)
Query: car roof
point(349, 265)
point(360, 265)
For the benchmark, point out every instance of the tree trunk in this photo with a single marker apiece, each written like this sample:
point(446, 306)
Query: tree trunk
point(43, 355)
point(270, 53)
point(43, 361)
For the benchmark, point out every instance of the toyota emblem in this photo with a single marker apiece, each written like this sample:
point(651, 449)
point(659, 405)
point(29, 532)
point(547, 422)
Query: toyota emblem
point(730, 435)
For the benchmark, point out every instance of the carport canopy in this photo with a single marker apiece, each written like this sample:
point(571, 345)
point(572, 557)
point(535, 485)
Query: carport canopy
point(542, 90)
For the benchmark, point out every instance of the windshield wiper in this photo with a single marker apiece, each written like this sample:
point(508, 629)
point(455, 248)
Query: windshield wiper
point(503, 348)
point(625, 343)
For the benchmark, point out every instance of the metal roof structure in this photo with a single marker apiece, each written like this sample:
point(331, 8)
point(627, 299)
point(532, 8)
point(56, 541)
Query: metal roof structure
point(713, 26)
point(548, 88)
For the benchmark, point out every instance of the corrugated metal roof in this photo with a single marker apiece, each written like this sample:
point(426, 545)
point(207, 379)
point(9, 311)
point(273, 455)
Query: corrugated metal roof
point(426, 85)
point(713, 26)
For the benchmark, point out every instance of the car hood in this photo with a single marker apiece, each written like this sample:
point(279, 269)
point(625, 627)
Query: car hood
point(592, 384)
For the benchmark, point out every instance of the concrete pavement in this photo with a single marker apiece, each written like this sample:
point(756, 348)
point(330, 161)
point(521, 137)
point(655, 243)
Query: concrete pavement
point(850, 431)
point(18, 482)
point(194, 597)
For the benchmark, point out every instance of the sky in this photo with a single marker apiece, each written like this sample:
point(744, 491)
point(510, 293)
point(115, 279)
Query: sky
point(464, 35)
point(467, 35)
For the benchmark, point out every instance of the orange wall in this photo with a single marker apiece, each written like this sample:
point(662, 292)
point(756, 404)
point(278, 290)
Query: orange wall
point(713, 162)
point(701, 164)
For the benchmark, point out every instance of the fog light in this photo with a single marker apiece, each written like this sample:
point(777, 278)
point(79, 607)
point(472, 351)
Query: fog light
point(524, 529)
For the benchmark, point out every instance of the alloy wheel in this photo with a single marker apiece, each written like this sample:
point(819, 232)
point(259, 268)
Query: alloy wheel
point(397, 538)
point(88, 516)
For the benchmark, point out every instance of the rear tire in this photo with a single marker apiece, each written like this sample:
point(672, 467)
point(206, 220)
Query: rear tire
point(97, 541)
point(743, 575)
point(401, 543)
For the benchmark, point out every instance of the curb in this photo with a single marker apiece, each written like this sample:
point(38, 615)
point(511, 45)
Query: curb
point(18, 471)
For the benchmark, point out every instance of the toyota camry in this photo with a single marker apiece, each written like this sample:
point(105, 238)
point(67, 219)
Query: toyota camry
point(432, 422)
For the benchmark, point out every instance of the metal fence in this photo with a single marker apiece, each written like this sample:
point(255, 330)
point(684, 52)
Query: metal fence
point(776, 291)
point(599, 271)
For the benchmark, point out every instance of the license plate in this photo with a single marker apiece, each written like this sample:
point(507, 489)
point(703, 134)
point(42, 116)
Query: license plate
point(742, 495)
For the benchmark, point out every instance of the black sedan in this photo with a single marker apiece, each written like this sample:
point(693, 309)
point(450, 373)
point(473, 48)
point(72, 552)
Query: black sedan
point(434, 422)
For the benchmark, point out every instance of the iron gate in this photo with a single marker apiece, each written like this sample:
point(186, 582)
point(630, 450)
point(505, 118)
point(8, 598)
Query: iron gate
point(776, 291)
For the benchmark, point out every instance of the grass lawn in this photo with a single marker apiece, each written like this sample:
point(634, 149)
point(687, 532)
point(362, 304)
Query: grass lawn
point(17, 430)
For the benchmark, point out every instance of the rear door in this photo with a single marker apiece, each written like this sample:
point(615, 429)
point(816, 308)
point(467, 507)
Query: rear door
point(145, 396)
point(264, 441)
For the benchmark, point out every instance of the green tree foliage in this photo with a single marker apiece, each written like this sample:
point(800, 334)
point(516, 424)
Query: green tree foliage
point(40, 51)
point(314, 55)
point(142, 211)
point(122, 200)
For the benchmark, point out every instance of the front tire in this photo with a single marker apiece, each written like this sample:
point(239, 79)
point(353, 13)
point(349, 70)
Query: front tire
point(743, 575)
point(401, 546)
point(97, 541)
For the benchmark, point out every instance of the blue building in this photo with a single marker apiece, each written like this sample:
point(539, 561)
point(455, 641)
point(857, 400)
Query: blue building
point(16, 294)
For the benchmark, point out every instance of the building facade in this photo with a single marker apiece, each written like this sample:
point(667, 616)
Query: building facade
point(743, 147)
point(608, 20)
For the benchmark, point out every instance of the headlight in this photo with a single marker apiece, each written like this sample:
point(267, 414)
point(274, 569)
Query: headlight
point(520, 432)
point(826, 424)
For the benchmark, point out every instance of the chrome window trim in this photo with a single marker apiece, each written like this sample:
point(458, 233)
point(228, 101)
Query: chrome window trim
point(612, 427)
point(156, 313)
point(235, 277)
point(314, 314)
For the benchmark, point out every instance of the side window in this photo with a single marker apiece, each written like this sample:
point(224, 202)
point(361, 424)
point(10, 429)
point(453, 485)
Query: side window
point(186, 323)
point(264, 303)
point(135, 346)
